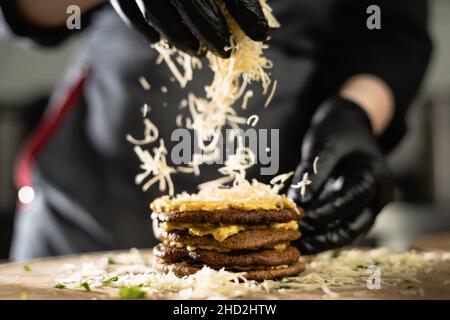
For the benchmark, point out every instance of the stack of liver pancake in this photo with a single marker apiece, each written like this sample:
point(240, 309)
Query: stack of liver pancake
point(253, 241)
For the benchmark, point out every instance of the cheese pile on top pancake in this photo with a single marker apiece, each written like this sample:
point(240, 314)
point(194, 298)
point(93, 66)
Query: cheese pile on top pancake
point(245, 233)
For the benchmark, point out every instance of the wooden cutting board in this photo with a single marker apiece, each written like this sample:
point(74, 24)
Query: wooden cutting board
point(433, 242)
point(39, 281)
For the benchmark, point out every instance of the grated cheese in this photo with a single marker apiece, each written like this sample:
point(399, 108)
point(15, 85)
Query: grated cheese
point(243, 195)
point(316, 161)
point(350, 268)
point(247, 96)
point(303, 184)
point(183, 104)
point(144, 83)
point(247, 64)
point(178, 120)
point(185, 62)
point(209, 114)
point(329, 293)
point(272, 94)
point(253, 120)
point(324, 272)
point(155, 165)
point(151, 134)
point(145, 109)
point(278, 181)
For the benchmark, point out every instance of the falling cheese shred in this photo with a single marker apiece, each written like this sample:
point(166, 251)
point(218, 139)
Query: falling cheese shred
point(231, 79)
point(272, 94)
point(144, 83)
point(155, 165)
point(253, 120)
point(187, 64)
point(316, 161)
point(303, 184)
point(209, 114)
point(151, 134)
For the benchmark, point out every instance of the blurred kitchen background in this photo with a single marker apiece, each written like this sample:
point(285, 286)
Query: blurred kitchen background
point(421, 164)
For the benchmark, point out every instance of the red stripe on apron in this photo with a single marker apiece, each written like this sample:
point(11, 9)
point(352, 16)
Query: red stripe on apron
point(33, 145)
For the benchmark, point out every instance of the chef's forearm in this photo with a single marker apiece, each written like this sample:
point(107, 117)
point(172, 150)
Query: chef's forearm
point(374, 96)
point(51, 13)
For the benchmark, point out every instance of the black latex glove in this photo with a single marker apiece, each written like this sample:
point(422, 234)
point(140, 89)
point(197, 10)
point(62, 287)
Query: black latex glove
point(352, 183)
point(192, 25)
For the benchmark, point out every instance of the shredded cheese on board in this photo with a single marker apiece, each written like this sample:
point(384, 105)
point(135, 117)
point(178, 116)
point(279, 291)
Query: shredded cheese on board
point(325, 272)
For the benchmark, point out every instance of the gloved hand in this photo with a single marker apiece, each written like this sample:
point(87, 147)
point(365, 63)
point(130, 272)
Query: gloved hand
point(352, 183)
point(192, 25)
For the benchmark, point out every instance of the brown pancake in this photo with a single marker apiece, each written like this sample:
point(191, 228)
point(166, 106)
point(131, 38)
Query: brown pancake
point(249, 239)
point(183, 269)
point(270, 274)
point(268, 257)
point(229, 216)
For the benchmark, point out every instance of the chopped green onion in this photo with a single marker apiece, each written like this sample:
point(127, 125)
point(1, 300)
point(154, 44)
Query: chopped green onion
point(110, 280)
point(335, 254)
point(132, 293)
point(86, 286)
point(406, 281)
point(59, 285)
